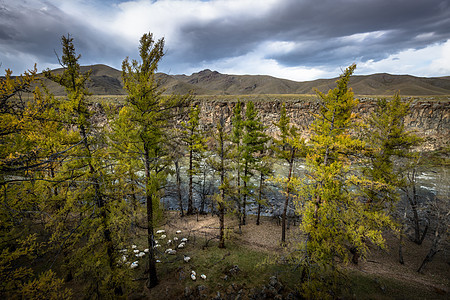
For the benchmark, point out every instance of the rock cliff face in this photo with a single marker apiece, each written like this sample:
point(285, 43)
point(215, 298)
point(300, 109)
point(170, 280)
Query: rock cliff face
point(430, 119)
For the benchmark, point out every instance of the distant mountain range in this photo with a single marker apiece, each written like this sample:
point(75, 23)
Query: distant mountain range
point(107, 81)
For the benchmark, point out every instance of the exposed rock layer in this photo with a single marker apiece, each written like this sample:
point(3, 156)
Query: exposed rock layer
point(429, 119)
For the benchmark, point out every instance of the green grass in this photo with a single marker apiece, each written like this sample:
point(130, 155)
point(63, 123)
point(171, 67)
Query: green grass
point(215, 263)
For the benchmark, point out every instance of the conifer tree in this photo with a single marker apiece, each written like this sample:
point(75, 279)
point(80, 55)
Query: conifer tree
point(13, 121)
point(24, 156)
point(237, 132)
point(196, 143)
point(253, 146)
point(150, 114)
point(265, 168)
point(333, 217)
point(84, 184)
point(388, 139)
point(177, 155)
point(219, 165)
point(287, 147)
point(389, 142)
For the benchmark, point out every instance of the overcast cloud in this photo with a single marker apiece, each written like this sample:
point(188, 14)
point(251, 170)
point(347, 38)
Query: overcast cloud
point(293, 39)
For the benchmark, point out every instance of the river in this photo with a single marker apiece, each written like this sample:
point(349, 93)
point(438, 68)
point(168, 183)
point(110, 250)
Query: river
point(430, 183)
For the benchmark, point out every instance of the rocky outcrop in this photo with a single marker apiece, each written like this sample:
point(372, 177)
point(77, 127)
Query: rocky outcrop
point(429, 119)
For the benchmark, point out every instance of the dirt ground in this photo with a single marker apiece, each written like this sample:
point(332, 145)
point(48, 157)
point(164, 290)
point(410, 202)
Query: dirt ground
point(264, 237)
point(436, 276)
point(383, 263)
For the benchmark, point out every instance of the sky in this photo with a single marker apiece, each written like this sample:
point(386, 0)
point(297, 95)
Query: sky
point(293, 39)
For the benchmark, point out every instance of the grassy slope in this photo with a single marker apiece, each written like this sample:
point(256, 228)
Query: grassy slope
point(107, 81)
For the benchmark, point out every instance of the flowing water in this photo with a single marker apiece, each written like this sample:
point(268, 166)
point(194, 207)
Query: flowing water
point(430, 183)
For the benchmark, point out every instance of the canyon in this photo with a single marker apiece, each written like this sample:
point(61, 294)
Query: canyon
point(428, 118)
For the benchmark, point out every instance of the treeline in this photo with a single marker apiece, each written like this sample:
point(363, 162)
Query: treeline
point(73, 192)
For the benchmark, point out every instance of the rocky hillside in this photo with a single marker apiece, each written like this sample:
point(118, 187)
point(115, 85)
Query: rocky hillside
point(107, 81)
point(428, 119)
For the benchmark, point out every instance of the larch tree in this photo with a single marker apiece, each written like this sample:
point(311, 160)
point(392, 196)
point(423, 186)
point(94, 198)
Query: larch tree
point(219, 164)
point(388, 144)
point(334, 219)
point(387, 140)
point(150, 114)
point(84, 186)
point(287, 147)
point(24, 157)
point(253, 146)
point(196, 143)
point(237, 132)
point(265, 169)
point(14, 114)
point(177, 155)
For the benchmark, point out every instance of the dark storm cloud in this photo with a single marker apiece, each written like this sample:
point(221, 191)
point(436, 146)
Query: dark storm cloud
point(323, 31)
point(34, 30)
point(325, 34)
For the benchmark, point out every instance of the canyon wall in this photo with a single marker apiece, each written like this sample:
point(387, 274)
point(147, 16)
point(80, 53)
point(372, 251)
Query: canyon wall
point(430, 119)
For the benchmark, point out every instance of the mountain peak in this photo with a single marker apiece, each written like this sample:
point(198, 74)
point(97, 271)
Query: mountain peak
point(107, 81)
point(205, 72)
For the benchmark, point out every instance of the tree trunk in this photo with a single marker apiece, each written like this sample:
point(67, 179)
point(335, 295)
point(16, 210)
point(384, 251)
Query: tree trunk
point(152, 276)
point(424, 234)
point(261, 180)
point(413, 202)
point(259, 214)
point(190, 210)
point(239, 200)
point(286, 202)
point(244, 203)
point(432, 252)
point(416, 223)
point(178, 178)
point(400, 248)
point(355, 252)
point(222, 223)
point(222, 198)
point(100, 202)
point(203, 194)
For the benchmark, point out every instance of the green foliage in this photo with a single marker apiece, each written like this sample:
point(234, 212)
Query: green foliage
point(19, 125)
point(237, 123)
point(388, 141)
point(236, 136)
point(193, 137)
point(196, 142)
point(254, 138)
point(12, 275)
point(82, 200)
point(219, 163)
point(287, 147)
point(70, 191)
point(27, 150)
point(334, 218)
point(253, 146)
point(150, 115)
point(47, 286)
